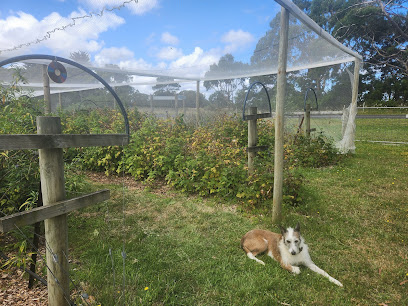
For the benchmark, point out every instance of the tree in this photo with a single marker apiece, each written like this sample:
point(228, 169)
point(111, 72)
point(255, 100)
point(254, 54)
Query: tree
point(166, 89)
point(225, 66)
point(219, 100)
point(374, 28)
point(81, 57)
point(191, 95)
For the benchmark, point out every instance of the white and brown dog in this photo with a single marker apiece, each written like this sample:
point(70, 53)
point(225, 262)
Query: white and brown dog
point(288, 248)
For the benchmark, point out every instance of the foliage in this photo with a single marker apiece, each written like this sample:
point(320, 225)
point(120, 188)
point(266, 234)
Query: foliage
point(314, 152)
point(169, 89)
point(375, 29)
point(208, 160)
point(19, 169)
point(21, 259)
point(224, 88)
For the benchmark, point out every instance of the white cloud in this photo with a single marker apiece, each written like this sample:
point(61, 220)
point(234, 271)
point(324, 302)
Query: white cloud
point(136, 64)
point(194, 64)
point(137, 7)
point(235, 40)
point(169, 39)
point(113, 56)
point(54, 33)
point(169, 53)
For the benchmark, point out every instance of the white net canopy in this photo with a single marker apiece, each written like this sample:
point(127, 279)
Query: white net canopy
point(199, 50)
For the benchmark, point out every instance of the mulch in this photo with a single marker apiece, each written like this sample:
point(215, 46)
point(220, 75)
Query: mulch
point(14, 290)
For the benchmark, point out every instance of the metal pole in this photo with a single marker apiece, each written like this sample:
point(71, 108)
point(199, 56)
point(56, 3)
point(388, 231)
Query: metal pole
point(280, 99)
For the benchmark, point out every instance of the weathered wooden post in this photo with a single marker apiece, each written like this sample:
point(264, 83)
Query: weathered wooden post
point(176, 104)
point(198, 104)
point(280, 99)
point(184, 105)
point(307, 119)
point(252, 118)
point(252, 138)
point(47, 92)
point(59, 101)
point(56, 229)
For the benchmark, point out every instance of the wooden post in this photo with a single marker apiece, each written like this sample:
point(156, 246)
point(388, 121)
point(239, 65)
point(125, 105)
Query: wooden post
point(53, 190)
point(47, 93)
point(114, 100)
point(198, 104)
point(184, 105)
point(307, 119)
point(176, 104)
point(252, 139)
point(151, 104)
point(280, 99)
point(59, 101)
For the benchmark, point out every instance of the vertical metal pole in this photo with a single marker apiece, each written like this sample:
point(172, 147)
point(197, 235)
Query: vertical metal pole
point(56, 229)
point(47, 93)
point(252, 139)
point(151, 104)
point(280, 99)
point(198, 104)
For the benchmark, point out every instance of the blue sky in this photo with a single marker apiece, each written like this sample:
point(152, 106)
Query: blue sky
point(145, 34)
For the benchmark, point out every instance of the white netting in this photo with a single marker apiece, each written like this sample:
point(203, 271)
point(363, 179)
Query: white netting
point(224, 74)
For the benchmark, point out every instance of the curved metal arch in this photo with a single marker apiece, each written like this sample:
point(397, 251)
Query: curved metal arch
point(304, 103)
point(246, 97)
point(70, 62)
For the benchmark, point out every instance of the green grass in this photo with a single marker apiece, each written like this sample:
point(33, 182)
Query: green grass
point(185, 250)
point(382, 111)
point(392, 130)
point(367, 129)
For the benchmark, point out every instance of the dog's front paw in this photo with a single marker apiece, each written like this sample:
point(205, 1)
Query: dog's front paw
point(295, 270)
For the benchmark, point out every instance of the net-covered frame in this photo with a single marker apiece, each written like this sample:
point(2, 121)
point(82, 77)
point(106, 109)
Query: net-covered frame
point(282, 56)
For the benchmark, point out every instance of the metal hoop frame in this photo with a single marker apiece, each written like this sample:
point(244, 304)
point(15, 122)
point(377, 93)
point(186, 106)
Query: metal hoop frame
point(246, 98)
point(75, 64)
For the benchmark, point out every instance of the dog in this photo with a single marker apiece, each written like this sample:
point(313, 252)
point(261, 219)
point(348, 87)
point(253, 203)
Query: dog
point(288, 248)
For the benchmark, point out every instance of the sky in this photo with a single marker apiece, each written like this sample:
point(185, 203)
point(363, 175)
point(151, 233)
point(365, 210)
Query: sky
point(149, 35)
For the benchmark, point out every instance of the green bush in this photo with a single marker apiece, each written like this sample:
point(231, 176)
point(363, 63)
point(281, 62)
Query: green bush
point(19, 169)
point(206, 160)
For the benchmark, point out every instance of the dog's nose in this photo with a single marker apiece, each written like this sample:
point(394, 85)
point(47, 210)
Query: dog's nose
point(293, 253)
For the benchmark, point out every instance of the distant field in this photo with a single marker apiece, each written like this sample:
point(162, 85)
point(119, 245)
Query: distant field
point(382, 111)
point(382, 130)
point(367, 129)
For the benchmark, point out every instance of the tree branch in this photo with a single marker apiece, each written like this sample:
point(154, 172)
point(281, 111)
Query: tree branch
point(389, 18)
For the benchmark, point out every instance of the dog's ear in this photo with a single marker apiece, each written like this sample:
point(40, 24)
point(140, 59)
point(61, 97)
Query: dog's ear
point(283, 230)
point(297, 228)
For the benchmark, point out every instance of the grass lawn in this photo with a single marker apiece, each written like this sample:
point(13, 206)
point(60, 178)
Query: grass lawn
point(185, 250)
point(393, 130)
